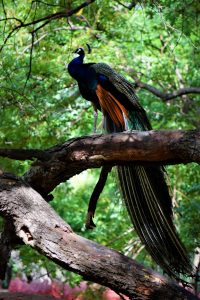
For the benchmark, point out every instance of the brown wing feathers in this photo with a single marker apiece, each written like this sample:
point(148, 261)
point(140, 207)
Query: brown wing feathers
point(112, 106)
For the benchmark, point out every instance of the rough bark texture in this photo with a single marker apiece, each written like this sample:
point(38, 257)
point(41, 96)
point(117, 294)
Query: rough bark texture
point(37, 225)
point(61, 162)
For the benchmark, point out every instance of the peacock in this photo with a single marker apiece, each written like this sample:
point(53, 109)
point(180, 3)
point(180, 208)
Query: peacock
point(144, 188)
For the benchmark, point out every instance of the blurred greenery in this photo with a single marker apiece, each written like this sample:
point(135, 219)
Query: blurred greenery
point(159, 42)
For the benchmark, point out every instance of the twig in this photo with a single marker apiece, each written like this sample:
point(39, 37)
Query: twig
point(168, 96)
point(30, 59)
point(4, 11)
point(165, 96)
point(41, 26)
point(130, 6)
point(35, 42)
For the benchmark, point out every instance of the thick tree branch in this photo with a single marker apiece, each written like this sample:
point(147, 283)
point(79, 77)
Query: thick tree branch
point(37, 225)
point(61, 162)
point(137, 146)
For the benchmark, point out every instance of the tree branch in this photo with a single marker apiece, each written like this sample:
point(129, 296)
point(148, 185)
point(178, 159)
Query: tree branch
point(157, 146)
point(37, 225)
point(130, 6)
point(61, 162)
point(160, 94)
point(24, 154)
point(168, 96)
point(45, 19)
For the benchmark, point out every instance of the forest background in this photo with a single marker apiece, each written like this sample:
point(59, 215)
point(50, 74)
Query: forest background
point(155, 45)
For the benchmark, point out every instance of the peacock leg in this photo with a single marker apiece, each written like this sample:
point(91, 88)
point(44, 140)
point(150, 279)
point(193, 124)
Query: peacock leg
point(95, 196)
point(95, 118)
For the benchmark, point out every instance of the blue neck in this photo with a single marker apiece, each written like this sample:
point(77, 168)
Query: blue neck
point(74, 66)
point(78, 60)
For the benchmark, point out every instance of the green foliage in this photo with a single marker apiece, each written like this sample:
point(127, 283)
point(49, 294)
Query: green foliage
point(158, 41)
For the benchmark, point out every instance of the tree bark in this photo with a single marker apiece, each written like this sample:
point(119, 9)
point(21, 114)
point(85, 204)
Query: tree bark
point(37, 225)
point(59, 163)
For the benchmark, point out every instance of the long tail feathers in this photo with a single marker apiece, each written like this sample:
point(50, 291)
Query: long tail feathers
point(148, 201)
point(148, 207)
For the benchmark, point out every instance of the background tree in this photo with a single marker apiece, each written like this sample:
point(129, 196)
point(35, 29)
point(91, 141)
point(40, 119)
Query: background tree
point(154, 44)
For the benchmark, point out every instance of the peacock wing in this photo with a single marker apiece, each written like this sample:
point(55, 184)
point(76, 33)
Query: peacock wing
point(122, 90)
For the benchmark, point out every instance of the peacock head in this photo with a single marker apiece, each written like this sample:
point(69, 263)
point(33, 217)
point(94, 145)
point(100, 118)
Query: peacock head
point(80, 51)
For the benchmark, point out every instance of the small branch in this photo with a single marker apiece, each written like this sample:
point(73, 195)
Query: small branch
point(35, 43)
point(30, 60)
point(46, 34)
point(160, 94)
point(167, 96)
point(12, 18)
point(41, 26)
point(37, 225)
point(4, 9)
point(130, 6)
